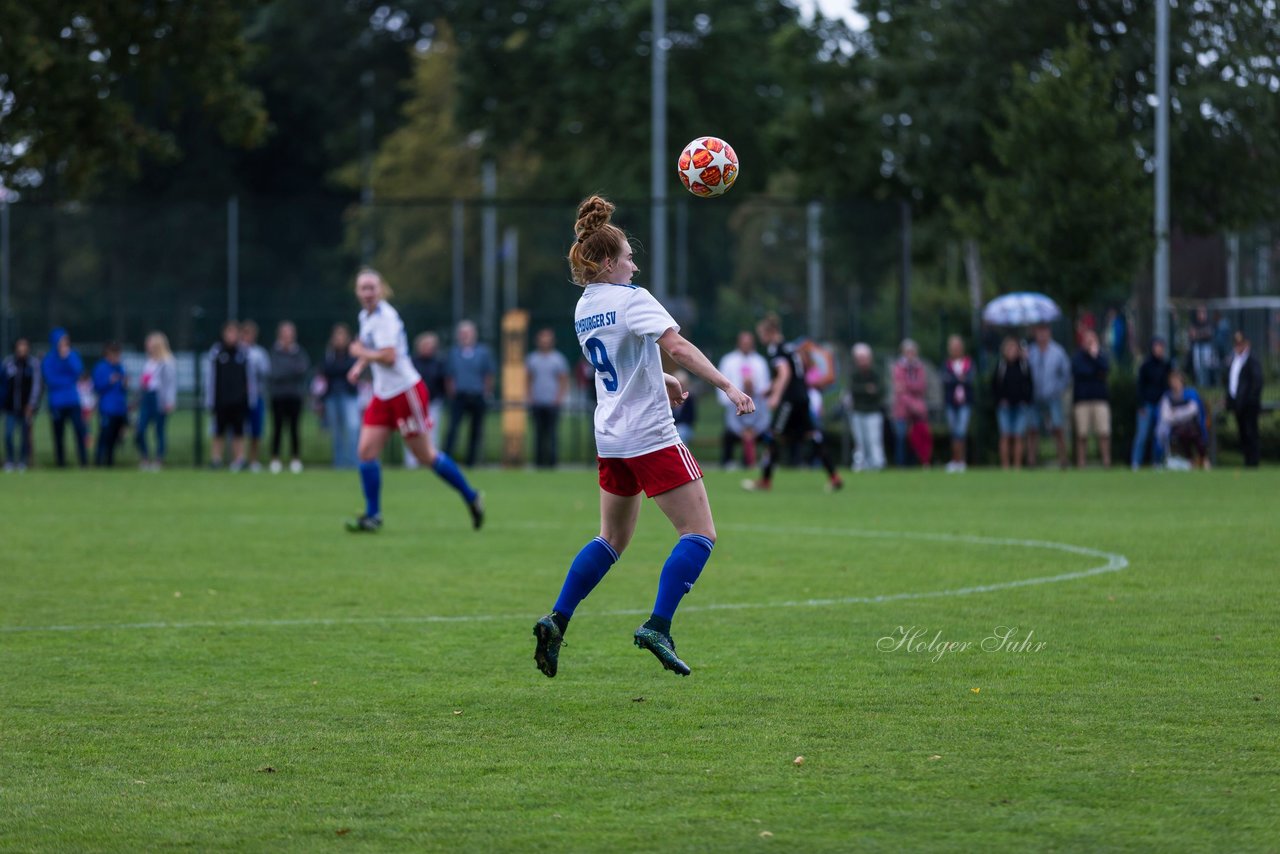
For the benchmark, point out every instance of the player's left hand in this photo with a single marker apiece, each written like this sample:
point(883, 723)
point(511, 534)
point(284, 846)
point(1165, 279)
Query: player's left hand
point(675, 392)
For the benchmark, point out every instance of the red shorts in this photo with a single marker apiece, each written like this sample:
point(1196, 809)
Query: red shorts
point(656, 472)
point(406, 412)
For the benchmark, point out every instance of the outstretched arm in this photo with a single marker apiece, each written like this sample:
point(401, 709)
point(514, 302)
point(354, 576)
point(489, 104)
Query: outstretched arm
point(692, 360)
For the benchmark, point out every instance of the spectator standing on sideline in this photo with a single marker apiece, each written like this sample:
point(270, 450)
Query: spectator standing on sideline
point(1203, 355)
point(159, 398)
point(1182, 428)
point(288, 386)
point(61, 370)
point(341, 411)
point(1092, 407)
point(259, 370)
point(548, 387)
point(469, 374)
point(111, 385)
point(1013, 390)
point(426, 360)
point(867, 419)
point(909, 385)
point(1244, 397)
point(1153, 382)
point(957, 390)
point(227, 395)
point(1050, 379)
point(749, 370)
point(19, 397)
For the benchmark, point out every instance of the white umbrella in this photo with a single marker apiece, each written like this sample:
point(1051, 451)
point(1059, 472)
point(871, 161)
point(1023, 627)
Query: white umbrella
point(1021, 309)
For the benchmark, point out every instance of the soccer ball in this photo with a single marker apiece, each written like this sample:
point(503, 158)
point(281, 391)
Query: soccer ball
point(708, 166)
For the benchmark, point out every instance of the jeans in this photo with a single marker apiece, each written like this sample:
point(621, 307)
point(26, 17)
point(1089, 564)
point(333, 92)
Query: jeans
point(470, 406)
point(17, 422)
point(958, 421)
point(546, 420)
point(61, 415)
point(285, 412)
point(109, 429)
point(149, 412)
point(868, 440)
point(900, 428)
point(342, 412)
point(1148, 415)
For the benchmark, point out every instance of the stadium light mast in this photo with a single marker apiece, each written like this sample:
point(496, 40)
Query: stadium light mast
point(1161, 295)
point(658, 146)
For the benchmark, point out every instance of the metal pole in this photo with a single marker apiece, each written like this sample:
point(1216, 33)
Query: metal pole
point(233, 257)
point(510, 266)
point(814, 269)
point(658, 152)
point(459, 235)
point(367, 245)
point(1233, 264)
point(904, 305)
point(489, 251)
point(1161, 297)
point(682, 248)
point(6, 284)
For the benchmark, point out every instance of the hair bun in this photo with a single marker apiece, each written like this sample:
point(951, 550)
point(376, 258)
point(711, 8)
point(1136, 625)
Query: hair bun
point(593, 214)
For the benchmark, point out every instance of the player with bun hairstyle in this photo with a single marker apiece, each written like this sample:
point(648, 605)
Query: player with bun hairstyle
point(620, 328)
point(400, 402)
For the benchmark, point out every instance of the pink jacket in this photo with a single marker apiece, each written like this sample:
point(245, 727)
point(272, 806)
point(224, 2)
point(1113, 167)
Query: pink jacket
point(909, 385)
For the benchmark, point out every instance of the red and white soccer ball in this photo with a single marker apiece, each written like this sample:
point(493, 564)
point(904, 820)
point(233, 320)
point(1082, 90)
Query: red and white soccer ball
point(708, 166)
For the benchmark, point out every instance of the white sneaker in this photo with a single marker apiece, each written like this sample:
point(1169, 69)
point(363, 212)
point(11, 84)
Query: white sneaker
point(276, 468)
point(962, 467)
point(236, 466)
point(951, 467)
point(296, 466)
point(254, 466)
point(8, 467)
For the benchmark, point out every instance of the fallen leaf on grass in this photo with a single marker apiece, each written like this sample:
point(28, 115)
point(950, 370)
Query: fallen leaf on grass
point(935, 756)
point(798, 761)
point(764, 834)
point(140, 782)
point(457, 711)
point(975, 690)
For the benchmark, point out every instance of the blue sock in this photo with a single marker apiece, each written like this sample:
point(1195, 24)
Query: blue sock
point(449, 472)
point(584, 574)
point(371, 480)
point(680, 572)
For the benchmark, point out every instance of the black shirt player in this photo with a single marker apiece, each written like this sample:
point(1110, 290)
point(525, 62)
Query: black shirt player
point(789, 404)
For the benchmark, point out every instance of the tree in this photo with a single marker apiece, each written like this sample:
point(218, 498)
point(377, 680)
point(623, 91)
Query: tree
point(88, 88)
point(1068, 209)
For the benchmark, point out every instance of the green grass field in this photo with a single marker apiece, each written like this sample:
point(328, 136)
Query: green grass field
point(206, 661)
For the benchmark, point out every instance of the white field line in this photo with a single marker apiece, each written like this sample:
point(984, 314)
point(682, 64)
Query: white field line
point(1112, 562)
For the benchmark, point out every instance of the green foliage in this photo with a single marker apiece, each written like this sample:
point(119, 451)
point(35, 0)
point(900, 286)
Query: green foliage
point(1066, 209)
point(91, 88)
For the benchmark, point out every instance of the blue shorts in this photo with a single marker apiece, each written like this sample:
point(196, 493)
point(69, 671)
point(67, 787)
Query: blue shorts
point(958, 421)
point(1012, 419)
point(257, 417)
point(1048, 414)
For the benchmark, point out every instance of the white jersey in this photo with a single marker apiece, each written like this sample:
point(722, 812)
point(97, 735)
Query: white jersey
point(618, 327)
point(379, 329)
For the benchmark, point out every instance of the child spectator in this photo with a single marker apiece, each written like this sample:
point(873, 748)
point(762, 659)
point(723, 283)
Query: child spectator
point(110, 384)
point(957, 391)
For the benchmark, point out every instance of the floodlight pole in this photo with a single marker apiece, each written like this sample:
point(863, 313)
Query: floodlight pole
point(6, 310)
point(489, 251)
point(658, 148)
point(814, 268)
point(1161, 296)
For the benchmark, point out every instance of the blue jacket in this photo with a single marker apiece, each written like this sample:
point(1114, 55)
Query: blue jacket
point(1090, 374)
point(109, 384)
point(60, 375)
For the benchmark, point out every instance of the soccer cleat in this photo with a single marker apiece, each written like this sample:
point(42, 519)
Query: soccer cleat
point(477, 514)
point(756, 485)
point(365, 524)
point(663, 648)
point(547, 653)
point(835, 484)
